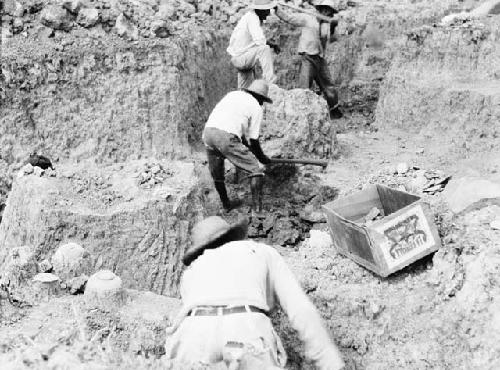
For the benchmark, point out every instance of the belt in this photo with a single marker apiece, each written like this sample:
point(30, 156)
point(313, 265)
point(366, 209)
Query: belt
point(223, 310)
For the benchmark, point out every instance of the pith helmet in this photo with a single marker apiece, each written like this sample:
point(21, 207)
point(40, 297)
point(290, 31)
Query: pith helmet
point(211, 233)
point(327, 3)
point(259, 89)
point(262, 4)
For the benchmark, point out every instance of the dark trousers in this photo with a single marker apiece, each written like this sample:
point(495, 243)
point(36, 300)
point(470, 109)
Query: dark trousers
point(315, 68)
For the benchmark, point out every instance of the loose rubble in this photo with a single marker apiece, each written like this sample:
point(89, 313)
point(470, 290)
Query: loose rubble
point(152, 175)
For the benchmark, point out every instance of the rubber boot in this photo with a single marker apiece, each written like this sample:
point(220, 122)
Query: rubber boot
point(256, 187)
point(336, 113)
point(226, 203)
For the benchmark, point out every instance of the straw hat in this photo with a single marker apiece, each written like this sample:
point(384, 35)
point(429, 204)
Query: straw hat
point(259, 89)
point(211, 233)
point(262, 4)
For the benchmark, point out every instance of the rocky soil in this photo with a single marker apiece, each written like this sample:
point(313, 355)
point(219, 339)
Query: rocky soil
point(116, 94)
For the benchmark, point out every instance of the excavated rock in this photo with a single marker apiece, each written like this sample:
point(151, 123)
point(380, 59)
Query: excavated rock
point(87, 17)
point(297, 125)
point(141, 234)
point(57, 18)
point(70, 260)
point(465, 192)
point(125, 28)
point(72, 6)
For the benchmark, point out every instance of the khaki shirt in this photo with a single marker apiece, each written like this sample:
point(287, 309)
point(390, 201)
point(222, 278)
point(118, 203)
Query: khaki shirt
point(246, 272)
point(313, 35)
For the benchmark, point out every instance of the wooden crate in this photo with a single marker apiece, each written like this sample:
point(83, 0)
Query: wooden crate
point(405, 234)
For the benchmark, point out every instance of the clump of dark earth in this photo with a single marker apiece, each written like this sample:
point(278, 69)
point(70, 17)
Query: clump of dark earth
point(288, 190)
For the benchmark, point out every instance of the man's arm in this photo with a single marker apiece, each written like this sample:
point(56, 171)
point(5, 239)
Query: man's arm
point(257, 151)
point(332, 35)
point(295, 19)
point(253, 133)
point(303, 315)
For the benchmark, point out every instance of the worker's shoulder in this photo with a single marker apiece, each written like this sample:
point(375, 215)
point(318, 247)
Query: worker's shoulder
point(249, 16)
point(259, 246)
point(240, 96)
point(310, 19)
point(251, 244)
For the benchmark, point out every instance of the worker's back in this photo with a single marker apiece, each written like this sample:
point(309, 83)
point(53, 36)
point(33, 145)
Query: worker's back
point(246, 34)
point(233, 274)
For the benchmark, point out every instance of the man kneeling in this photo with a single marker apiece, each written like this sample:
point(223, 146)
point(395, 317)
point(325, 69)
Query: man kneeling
point(227, 291)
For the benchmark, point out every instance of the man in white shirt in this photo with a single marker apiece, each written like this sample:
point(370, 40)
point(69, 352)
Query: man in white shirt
point(248, 45)
point(315, 33)
point(229, 287)
point(232, 132)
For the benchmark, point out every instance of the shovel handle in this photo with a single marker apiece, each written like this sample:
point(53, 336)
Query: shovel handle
point(314, 162)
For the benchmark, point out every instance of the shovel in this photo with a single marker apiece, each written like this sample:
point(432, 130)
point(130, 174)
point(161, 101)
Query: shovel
point(314, 162)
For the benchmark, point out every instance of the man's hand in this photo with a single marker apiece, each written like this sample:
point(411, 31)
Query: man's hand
point(265, 160)
point(275, 47)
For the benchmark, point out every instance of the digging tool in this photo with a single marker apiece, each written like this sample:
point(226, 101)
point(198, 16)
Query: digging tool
point(314, 162)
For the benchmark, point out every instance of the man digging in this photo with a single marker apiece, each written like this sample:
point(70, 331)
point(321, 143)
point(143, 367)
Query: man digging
point(315, 33)
point(229, 287)
point(232, 132)
point(248, 44)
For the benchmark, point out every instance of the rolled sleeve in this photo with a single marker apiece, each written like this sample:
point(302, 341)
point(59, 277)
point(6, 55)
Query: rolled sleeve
point(303, 315)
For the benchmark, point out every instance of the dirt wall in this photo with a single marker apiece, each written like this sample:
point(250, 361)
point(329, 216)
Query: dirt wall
point(446, 80)
point(139, 231)
point(367, 38)
point(112, 104)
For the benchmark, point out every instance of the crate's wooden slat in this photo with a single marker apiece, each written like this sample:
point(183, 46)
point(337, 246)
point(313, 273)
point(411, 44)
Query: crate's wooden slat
point(351, 240)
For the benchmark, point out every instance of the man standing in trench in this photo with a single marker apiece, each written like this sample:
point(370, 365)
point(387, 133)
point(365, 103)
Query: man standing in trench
point(315, 33)
point(232, 132)
point(229, 287)
point(248, 45)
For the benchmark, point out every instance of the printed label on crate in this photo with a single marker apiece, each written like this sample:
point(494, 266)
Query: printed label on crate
point(405, 236)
